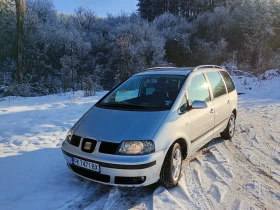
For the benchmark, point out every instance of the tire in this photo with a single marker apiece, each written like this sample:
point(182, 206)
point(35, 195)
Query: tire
point(228, 133)
point(172, 166)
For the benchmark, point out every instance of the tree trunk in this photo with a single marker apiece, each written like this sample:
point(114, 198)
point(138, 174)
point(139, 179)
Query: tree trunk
point(20, 12)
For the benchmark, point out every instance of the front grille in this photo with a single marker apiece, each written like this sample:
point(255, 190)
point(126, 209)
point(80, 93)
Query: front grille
point(108, 147)
point(129, 180)
point(75, 141)
point(86, 148)
point(90, 174)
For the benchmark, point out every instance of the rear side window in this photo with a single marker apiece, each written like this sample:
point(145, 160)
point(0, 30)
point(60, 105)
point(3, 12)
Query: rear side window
point(198, 89)
point(229, 83)
point(217, 84)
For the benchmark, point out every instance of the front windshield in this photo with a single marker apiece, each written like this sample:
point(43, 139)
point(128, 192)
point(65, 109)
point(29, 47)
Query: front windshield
point(156, 92)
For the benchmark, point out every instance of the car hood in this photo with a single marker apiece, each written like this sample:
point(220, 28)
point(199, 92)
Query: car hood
point(118, 125)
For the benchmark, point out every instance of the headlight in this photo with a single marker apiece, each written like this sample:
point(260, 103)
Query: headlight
point(137, 147)
point(69, 135)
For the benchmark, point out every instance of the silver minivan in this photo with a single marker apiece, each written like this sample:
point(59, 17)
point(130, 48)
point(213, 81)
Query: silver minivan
point(140, 132)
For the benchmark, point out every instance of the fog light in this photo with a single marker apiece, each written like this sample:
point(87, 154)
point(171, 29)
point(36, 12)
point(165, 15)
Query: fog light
point(130, 180)
point(142, 178)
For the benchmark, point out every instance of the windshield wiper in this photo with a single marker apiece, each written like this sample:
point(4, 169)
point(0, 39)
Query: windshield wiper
point(133, 106)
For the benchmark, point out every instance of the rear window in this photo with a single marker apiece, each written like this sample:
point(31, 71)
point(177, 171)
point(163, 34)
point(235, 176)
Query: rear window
point(229, 83)
point(217, 84)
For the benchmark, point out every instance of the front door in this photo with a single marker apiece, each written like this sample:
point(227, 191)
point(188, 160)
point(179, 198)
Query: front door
point(201, 120)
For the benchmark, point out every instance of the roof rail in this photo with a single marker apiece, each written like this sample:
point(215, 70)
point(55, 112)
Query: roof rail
point(207, 66)
point(161, 67)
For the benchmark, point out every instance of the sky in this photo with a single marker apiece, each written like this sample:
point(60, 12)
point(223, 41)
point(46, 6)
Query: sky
point(100, 7)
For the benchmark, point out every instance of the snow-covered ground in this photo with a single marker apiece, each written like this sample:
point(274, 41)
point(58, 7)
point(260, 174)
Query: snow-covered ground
point(240, 174)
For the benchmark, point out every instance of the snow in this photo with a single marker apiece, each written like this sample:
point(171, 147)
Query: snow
point(240, 174)
point(257, 90)
point(33, 172)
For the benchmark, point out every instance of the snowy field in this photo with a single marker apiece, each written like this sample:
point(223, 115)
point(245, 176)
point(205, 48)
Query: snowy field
point(240, 174)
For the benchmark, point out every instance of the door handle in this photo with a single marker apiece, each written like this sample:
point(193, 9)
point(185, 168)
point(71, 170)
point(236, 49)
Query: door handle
point(228, 102)
point(212, 111)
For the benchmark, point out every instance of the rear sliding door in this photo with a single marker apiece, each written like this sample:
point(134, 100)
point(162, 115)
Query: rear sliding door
point(221, 101)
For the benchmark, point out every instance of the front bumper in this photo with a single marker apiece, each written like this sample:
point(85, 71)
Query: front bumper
point(117, 170)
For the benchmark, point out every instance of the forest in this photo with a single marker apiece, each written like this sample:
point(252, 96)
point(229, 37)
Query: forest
point(83, 51)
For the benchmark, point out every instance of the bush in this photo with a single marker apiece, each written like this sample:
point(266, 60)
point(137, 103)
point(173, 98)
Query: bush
point(90, 87)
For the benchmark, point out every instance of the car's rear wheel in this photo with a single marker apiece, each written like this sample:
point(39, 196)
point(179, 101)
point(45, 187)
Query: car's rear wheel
point(171, 168)
point(228, 133)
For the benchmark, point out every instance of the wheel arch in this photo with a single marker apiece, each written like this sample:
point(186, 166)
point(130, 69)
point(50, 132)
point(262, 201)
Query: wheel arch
point(234, 112)
point(184, 146)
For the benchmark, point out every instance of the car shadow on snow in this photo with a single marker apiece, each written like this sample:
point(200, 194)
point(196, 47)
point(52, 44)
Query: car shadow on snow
point(38, 179)
point(100, 196)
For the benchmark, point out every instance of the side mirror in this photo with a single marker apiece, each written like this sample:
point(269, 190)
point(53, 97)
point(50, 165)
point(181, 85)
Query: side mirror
point(199, 105)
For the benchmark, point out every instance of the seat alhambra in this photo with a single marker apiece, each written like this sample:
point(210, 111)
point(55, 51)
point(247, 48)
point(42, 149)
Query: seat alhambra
point(140, 132)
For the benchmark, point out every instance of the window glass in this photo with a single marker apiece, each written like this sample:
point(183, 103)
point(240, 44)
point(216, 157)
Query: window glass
point(217, 84)
point(129, 90)
point(229, 83)
point(198, 89)
point(126, 94)
point(150, 90)
point(183, 105)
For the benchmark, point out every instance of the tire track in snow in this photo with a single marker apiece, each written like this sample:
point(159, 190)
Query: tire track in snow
point(265, 127)
point(238, 182)
point(219, 175)
point(196, 187)
point(181, 194)
point(99, 196)
point(247, 177)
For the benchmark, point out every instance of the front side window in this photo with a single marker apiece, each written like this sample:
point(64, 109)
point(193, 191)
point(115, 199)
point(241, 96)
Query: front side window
point(229, 83)
point(183, 105)
point(157, 92)
point(198, 89)
point(217, 84)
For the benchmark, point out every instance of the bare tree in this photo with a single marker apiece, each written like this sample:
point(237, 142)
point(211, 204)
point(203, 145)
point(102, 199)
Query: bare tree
point(20, 11)
point(85, 18)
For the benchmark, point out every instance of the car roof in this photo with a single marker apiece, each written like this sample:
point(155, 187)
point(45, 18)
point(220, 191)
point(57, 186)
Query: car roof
point(167, 70)
point(178, 70)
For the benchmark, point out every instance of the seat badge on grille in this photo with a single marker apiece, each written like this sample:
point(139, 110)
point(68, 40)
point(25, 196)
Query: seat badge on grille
point(87, 145)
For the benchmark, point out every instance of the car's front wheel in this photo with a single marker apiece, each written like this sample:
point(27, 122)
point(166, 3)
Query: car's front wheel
point(171, 168)
point(228, 133)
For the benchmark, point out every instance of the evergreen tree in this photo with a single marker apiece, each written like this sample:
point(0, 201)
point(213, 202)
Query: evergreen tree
point(173, 7)
point(145, 9)
point(7, 37)
point(150, 9)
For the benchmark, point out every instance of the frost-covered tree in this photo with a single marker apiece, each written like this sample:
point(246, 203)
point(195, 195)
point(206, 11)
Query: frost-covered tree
point(176, 32)
point(85, 18)
point(7, 37)
point(44, 9)
point(256, 20)
point(39, 24)
point(83, 50)
point(20, 13)
point(126, 44)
